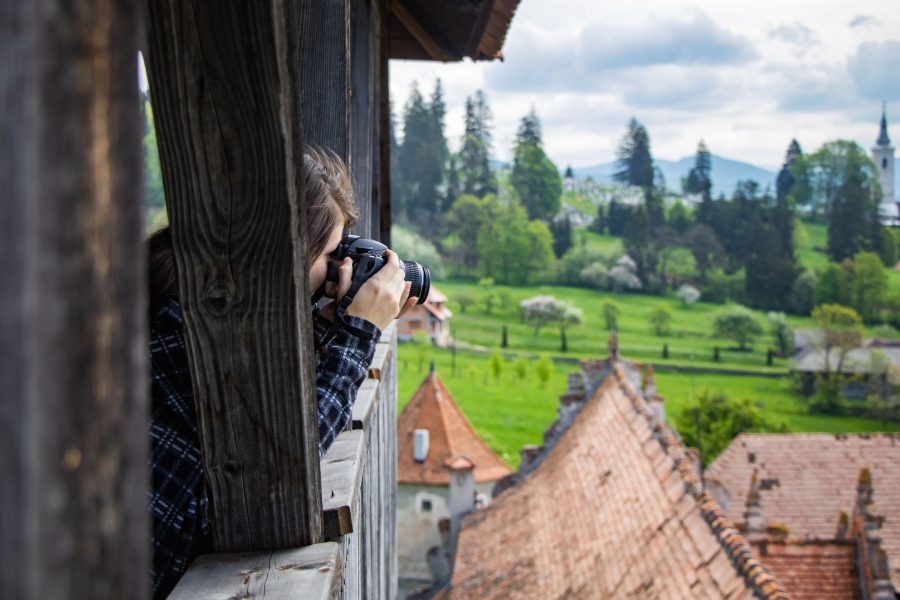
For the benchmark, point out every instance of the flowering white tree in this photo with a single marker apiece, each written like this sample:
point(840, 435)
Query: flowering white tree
point(688, 294)
point(594, 275)
point(623, 275)
point(543, 310)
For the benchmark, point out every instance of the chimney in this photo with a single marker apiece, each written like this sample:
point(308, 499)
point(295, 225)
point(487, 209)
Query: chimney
point(420, 445)
point(529, 452)
point(575, 391)
point(756, 522)
point(654, 400)
point(877, 578)
point(613, 345)
point(462, 493)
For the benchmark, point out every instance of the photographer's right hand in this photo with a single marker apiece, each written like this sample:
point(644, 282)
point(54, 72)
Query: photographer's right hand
point(378, 299)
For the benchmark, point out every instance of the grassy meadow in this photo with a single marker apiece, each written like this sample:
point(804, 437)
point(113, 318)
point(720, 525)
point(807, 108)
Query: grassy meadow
point(689, 341)
point(509, 413)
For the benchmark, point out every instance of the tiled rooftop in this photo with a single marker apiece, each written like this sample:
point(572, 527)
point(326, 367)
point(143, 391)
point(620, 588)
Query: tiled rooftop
point(451, 436)
point(808, 480)
point(813, 571)
point(614, 510)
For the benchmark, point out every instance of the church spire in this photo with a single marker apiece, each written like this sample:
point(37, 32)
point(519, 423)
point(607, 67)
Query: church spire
point(883, 139)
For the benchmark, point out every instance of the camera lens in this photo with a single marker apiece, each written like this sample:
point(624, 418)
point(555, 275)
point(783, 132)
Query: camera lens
point(417, 274)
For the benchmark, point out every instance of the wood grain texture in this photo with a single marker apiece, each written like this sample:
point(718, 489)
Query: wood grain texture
point(311, 573)
point(364, 407)
point(362, 110)
point(381, 213)
point(225, 88)
point(13, 449)
point(341, 477)
point(74, 382)
point(325, 73)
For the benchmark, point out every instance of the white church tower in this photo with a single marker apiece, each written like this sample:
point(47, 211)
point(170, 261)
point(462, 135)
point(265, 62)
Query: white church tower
point(883, 156)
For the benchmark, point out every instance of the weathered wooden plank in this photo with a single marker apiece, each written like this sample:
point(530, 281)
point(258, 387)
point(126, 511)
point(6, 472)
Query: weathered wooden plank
point(72, 308)
point(382, 166)
point(311, 573)
point(341, 473)
point(325, 73)
point(14, 450)
point(366, 399)
point(362, 110)
point(382, 354)
point(224, 85)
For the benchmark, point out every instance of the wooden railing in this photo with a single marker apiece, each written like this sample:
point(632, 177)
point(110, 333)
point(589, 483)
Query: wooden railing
point(359, 491)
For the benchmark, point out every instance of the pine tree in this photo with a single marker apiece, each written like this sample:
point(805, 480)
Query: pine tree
point(420, 161)
point(699, 179)
point(853, 219)
point(474, 165)
point(562, 236)
point(530, 130)
point(633, 158)
point(534, 176)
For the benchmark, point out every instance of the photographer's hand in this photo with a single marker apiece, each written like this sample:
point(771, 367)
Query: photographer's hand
point(380, 299)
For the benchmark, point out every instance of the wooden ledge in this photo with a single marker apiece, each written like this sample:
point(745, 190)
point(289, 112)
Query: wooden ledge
point(364, 407)
point(312, 572)
point(342, 482)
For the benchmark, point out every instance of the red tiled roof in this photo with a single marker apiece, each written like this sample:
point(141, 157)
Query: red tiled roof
point(813, 571)
point(808, 479)
point(450, 437)
point(614, 510)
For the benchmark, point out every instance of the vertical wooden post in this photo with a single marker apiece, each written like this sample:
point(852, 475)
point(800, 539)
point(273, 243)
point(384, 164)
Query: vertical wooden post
point(363, 110)
point(383, 140)
point(72, 306)
point(223, 80)
point(13, 450)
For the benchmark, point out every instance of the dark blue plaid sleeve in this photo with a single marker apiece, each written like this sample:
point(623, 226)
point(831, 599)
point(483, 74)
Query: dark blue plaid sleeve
point(178, 498)
point(340, 372)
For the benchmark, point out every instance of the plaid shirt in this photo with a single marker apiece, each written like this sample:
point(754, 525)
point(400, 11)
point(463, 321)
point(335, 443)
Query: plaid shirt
point(178, 501)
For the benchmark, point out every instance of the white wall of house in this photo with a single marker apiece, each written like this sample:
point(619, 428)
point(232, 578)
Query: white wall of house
point(419, 508)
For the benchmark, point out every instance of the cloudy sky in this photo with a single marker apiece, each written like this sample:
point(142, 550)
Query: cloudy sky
point(744, 76)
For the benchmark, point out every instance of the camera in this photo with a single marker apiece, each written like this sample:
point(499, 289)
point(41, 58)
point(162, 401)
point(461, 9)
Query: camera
point(368, 258)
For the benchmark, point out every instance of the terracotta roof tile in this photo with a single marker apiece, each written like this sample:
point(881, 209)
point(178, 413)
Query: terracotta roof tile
point(614, 510)
point(813, 571)
point(808, 480)
point(450, 436)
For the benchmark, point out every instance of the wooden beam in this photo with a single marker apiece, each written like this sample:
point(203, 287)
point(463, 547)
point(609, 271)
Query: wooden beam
point(73, 406)
point(311, 573)
point(223, 79)
point(381, 218)
point(325, 73)
point(426, 33)
point(363, 112)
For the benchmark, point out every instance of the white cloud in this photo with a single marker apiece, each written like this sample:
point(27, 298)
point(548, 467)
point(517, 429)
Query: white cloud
point(744, 80)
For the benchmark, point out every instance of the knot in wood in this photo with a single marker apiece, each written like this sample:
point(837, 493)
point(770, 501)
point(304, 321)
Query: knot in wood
point(219, 298)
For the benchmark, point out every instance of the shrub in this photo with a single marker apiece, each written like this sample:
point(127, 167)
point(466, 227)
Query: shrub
point(737, 323)
point(688, 294)
point(409, 245)
point(660, 319)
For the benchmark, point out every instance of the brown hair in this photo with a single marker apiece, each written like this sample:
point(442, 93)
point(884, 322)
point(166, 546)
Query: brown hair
point(328, 192)
point(327, 187)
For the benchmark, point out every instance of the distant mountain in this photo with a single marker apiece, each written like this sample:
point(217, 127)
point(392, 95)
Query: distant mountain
point(725, 172)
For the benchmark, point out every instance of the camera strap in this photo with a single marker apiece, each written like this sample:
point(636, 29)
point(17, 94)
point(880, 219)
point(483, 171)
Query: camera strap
point(361, 274)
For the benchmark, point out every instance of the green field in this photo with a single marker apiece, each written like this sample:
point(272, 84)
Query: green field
point(508, 413)
point(691, 327)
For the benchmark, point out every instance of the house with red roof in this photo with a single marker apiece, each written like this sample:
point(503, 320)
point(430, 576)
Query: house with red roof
point(441, 464)
point(432, 317)
point(822, 510)
point(611, 505)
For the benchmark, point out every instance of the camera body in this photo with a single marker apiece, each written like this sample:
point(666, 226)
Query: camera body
point(368, 258)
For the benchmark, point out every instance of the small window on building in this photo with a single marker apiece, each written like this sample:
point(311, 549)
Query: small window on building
point(884, 163)
point(426, 505)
